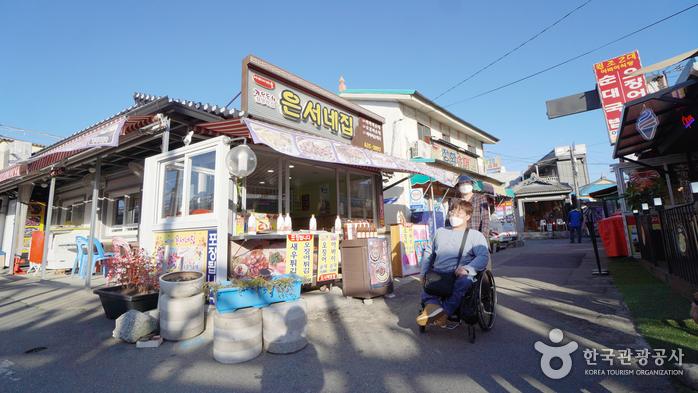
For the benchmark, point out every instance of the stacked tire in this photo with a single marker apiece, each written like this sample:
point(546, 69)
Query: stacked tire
point(237, 336)
point(284, 326)
point(181, 305)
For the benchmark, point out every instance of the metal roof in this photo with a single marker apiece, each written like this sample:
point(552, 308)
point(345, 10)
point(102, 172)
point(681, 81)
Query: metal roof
point(537, 186)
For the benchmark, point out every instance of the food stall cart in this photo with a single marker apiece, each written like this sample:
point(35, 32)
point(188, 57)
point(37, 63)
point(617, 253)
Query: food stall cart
point(310, 158)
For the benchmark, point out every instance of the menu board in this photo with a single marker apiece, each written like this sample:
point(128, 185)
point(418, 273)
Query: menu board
point(299, 255)
point(328, 257)
point(378, 264)
point(34, 222)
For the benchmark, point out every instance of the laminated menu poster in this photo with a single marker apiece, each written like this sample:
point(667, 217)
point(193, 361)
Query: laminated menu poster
point(299, 255)
point(183, 250)
point(327, 257)
point(254, 258)
point(378, 262)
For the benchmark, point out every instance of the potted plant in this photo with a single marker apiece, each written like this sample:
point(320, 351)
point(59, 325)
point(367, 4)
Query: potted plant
point(134, 284)
point(255, 292)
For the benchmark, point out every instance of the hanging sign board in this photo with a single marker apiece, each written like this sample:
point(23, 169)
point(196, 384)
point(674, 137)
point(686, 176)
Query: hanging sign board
point(276, 95)
point(299, 256)
point(328, 257)
point(617, 86)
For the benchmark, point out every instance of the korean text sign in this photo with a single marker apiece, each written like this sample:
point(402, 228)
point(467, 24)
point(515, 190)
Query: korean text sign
point(327, 257)
point(299, 256)
point(616, 87)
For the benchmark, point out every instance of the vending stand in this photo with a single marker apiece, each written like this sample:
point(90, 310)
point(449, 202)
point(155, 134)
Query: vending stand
point(276, 191)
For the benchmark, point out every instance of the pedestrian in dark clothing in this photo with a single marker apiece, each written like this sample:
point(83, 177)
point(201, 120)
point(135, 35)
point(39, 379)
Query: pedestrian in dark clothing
point(574, 220)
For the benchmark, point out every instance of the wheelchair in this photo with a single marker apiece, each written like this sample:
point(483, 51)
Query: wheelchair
point(478, 305)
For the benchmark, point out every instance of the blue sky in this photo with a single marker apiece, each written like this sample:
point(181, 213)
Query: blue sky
point(66, 66)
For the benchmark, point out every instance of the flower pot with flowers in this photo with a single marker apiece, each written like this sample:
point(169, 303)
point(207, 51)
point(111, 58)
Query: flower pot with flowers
point(134, 284)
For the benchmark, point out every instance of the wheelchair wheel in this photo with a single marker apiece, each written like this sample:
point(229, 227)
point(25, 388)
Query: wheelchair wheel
point(488, 300)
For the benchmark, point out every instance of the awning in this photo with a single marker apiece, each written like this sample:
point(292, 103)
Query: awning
point(233, 128)
point(483, 187)
point(102, 135)
point(305, 146)
point(673, 107)
point(666, 63)
point(13, 171)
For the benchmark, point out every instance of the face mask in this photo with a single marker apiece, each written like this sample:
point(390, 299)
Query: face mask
point(455, 221)
point(465, 188)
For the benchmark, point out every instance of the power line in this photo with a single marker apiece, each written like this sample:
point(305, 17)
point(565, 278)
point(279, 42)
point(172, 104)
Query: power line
point(512, 50)
point(25, 131)
point(572, 58)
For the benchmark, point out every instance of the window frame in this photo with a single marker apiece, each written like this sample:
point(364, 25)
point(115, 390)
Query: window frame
point(186, 187)
point(123, 229)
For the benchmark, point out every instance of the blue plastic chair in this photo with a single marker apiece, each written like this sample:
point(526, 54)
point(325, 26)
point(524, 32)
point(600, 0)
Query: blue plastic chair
point(98, 255)
point(81, 244)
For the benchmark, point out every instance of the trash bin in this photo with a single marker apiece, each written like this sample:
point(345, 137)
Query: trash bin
point(613, 236)
point(366, 268)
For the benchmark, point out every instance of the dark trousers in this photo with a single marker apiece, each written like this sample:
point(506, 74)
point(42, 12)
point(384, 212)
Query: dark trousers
point(451, 303)
point(578, 230)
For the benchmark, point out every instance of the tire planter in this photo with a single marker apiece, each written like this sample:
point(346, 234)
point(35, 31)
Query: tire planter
point(181, 284)
point(285, 327)
point(115, 302)
point(237, 336)
point(181, 318)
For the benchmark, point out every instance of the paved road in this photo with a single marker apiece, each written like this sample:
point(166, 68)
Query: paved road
point(357, 348)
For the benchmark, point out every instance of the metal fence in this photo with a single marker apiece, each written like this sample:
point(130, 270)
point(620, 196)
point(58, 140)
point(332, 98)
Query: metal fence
point(681, 241)
point(650, 237)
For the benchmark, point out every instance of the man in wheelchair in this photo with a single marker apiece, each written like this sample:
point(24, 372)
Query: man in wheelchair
point(449, 267)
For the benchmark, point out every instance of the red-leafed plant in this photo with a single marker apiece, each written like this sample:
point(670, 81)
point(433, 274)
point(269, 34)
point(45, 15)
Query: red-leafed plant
point(135, 271)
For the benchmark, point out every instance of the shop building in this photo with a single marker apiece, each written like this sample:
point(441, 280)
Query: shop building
point(418, 129)
point(657, 174)
point(158, 175)
point(542, 207)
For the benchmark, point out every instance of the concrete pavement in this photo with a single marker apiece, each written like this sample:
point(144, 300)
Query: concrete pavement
point(354, 347)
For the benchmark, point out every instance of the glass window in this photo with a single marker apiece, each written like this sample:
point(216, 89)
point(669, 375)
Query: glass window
point(361, 187)
point(263, 186)
point(201, 185)
point(119, 210)
point(133, 211)
point(424, 132)
point(313, 191)
point(343, 196)
point(173, 188)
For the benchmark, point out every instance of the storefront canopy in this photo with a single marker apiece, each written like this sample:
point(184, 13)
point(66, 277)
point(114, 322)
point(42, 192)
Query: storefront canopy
point(297, 144)
point(671, 112)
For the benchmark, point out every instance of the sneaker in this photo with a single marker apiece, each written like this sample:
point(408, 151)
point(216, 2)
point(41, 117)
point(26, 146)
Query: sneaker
point(429, 313)
point(445, 322)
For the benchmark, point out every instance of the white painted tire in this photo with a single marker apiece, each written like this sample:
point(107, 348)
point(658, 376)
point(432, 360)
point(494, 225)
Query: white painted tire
point(285, 327)
point(178, 289)
point(237, 336)
point(181, 318)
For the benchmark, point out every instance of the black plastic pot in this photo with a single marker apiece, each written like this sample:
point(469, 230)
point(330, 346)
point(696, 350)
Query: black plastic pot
point(115, 302)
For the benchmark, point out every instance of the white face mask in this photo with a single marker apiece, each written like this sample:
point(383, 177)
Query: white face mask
point(465, 188)
point(456, 221)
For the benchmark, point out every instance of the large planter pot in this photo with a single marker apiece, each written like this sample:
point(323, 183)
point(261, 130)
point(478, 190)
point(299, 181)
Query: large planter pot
point(237, 336)
point(231, 299)
point(285, 327)
point(181, 284)
point(117, 300)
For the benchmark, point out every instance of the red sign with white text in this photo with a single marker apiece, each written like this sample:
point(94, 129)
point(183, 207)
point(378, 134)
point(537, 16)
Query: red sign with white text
point(616, 87)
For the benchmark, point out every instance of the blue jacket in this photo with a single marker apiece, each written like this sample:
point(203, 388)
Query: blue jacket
point(575, 218)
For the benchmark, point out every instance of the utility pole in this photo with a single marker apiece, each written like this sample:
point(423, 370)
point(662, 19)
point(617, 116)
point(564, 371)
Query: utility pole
point(573, 161)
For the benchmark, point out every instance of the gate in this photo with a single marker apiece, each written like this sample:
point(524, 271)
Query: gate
point(681, 240)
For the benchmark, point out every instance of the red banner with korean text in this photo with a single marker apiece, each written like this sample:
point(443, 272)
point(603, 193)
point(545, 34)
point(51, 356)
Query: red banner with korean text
point(616, 87)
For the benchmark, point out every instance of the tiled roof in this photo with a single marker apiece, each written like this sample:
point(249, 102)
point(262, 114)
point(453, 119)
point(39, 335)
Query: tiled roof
point(143, 98)
point(535, 185)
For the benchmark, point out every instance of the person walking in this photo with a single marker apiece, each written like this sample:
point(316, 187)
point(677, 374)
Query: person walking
point(574, 223)
point(480, 220)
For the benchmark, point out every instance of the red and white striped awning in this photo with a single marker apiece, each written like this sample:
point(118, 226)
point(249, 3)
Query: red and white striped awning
point(70, 146)
point(233, 128)
point(13, 171)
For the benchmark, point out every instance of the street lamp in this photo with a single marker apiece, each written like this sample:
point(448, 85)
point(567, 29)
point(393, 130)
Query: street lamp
point(645, 207)
point(657, 202)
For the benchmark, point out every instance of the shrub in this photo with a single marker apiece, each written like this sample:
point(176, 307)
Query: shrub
point(136, 270)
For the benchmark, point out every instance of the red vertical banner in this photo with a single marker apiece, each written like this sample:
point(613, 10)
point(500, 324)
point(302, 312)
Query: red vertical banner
point(616, 87)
